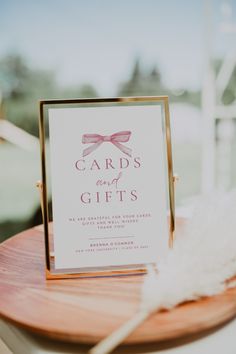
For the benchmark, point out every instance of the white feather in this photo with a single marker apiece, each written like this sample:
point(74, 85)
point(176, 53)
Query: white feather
point(203, 258)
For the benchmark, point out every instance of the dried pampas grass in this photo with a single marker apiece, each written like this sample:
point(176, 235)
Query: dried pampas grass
point(204, 257)
point(200, 265)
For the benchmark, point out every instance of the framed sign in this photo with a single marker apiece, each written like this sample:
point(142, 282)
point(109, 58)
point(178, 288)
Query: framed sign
point(107, 166)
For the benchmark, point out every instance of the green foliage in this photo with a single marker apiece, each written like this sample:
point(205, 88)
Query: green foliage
point(229, 95)
point(150, 83)
point(84, 91)
point(13, 76)
point(142, 84)
point(22, 87)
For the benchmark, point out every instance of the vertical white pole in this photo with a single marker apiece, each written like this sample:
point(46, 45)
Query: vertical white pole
point(208, 109)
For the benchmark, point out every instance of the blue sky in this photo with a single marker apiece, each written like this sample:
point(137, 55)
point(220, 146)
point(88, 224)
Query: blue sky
point(97, 40)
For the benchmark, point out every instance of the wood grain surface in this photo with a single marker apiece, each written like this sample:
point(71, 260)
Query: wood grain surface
point(87, 310)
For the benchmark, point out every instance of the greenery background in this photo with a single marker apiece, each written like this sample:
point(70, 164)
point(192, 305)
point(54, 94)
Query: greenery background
point(22, 86)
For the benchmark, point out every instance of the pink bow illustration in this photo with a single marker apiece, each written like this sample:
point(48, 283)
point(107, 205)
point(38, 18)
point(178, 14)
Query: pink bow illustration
point(116, 139)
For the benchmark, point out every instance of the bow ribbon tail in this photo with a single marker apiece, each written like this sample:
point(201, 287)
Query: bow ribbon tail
point(91, 148)
point(123, 148)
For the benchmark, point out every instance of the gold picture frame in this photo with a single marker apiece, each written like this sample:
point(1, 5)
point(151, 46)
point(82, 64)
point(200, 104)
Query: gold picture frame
point(44, 105)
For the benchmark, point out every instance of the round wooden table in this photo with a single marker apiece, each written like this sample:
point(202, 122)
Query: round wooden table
point(87, 310)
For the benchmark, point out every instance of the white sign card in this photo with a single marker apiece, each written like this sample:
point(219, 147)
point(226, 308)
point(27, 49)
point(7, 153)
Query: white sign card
point(109, 185)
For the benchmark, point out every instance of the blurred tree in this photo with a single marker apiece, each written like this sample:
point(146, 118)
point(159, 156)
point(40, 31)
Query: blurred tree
point(148, 84)
point(23, 86)
point(88, 91)
point(84, 91)
point(13, 76)
point(141, 83)
point(229, 94)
